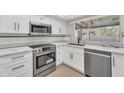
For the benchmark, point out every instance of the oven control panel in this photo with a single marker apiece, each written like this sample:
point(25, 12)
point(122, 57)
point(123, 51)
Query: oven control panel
point(44, 49)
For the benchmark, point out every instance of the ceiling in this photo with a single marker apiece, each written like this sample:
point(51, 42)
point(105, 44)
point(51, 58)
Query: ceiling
point(68, 17)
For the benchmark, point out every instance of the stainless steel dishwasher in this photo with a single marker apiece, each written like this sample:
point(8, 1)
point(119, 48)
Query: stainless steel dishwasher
point(97, 63)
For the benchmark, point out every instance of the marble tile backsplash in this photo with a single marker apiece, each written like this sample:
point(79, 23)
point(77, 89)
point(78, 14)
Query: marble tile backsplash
point(17, 40)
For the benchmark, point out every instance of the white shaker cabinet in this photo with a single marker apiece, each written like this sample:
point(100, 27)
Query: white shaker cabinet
point(14, 24)
point(16, 62)
point(40, 19)
point(79, 60)
point(58, 27)
point(74, 57)
point(7, 24)
point(72, 32)
point(66, 56)
point(22, 23)
point(117, 65)
point(59, 54)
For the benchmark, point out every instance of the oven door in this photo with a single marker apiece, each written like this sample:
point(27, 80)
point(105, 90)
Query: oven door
point(44, 61)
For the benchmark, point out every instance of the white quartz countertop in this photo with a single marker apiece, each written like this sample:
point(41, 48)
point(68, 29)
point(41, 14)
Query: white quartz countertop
point(107, 49)
point(10, 51)
point(100, 48)
point(60, 43)
point(96, 47)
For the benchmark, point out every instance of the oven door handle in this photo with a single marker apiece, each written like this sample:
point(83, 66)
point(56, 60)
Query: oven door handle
point(40, 54)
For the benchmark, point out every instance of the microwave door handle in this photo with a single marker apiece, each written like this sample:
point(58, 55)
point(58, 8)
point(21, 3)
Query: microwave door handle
point(97, 54)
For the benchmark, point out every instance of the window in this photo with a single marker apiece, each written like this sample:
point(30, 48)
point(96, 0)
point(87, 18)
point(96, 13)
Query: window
point(105, 29)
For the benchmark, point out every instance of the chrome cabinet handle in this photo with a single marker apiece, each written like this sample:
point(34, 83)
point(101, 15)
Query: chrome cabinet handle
point(15, 26)
point(72, 56)
point(18, 26)
point(113, 61)
point(17, 67)
point(18, 57)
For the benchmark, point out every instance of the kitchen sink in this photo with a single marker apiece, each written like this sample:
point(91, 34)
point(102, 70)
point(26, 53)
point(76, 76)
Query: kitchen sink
point(76, 44)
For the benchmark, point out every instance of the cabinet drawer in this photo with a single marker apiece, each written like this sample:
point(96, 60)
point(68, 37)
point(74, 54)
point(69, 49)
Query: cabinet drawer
point(14, 69)
point(15, 58)
point(21, 56)
point(27, 73)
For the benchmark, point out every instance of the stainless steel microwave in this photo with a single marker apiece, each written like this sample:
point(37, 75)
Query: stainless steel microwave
point(40, 29)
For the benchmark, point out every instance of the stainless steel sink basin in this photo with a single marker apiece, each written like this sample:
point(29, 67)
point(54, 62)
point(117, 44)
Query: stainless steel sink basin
point(76, 44)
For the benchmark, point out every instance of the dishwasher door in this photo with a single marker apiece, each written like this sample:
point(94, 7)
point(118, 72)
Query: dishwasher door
point(97, 63)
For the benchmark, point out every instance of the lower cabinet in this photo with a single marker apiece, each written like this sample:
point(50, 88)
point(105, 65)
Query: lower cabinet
point(59, 54)
point(74, 57)
point(17, 65)
point(117, 65)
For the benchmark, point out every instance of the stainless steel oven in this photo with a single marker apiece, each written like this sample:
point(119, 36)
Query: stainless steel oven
point(40, 29)
point(44, 59)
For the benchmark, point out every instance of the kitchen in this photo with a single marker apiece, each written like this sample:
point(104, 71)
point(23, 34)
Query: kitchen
point(61, 46)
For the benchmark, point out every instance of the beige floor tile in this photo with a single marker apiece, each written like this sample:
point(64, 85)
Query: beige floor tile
point(65, 71)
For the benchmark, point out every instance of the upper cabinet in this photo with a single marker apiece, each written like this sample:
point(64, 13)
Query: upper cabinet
point(21, 24)
point(58, 27)
point(40, 19)
point(72, 32)
point(14, 24)
point(7, 24)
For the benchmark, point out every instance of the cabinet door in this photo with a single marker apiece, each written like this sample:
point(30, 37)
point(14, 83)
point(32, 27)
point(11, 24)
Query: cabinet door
point(7, 24)
point(22, 24)
point(58, 27)
point(79, 61)
point(75, 58)
point(59, 54)
point(69, 57)
point(64, 28)
point(66, 56)
point(117, 65)
point(61, 29)
point(40, 19)
point(55, 27)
